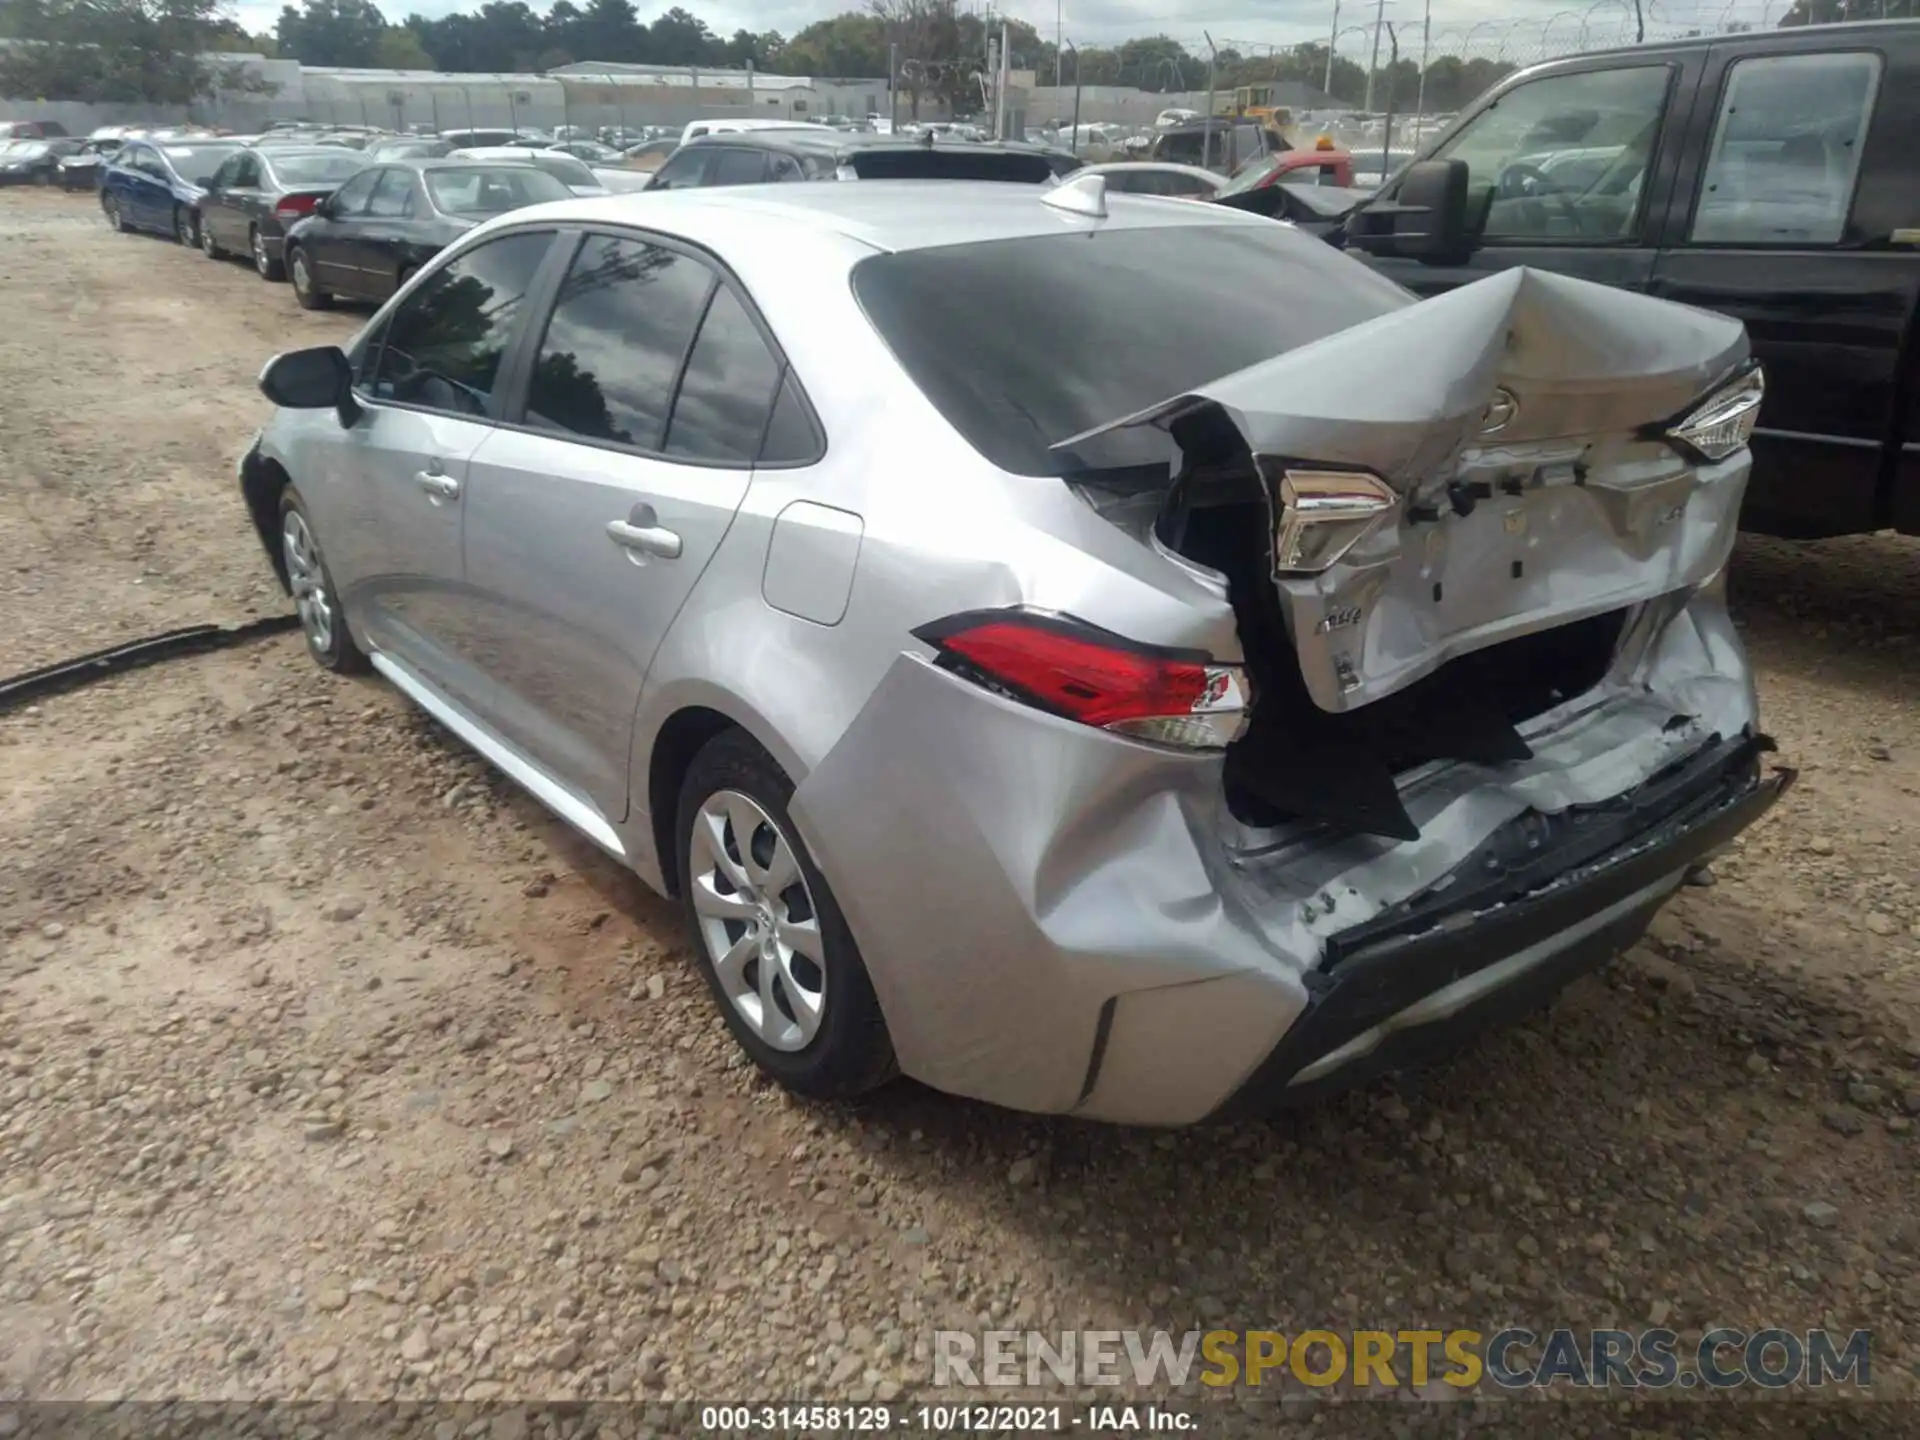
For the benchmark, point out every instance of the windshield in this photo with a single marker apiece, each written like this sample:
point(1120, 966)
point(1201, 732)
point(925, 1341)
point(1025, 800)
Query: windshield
point(196, 163)
point(492, 190)
point(317, 169)
point(1252, 175)
point(1021, 343)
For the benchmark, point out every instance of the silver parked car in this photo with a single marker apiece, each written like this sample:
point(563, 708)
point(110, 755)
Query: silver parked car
point(1097, 654)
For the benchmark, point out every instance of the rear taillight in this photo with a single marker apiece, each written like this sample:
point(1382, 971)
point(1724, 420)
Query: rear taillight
point(1083, 673)
point(292, 207)
point(1723, 423)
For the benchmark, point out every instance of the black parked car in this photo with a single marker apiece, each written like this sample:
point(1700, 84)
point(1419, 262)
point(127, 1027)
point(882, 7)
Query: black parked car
point(80, 169)
point(1772, 176)
point(371, 234)
point(257, 194)
point(33, 162)
point(753, 157)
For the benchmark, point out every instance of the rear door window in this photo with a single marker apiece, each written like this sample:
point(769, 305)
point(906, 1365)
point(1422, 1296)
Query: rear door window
point(393, 197)
point(351, 198)
point(614, 346)
point(721, 411)
point(1786, 150)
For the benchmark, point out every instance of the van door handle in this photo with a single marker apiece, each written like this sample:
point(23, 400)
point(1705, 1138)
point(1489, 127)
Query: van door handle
point(1909, 236)
point(441, 487)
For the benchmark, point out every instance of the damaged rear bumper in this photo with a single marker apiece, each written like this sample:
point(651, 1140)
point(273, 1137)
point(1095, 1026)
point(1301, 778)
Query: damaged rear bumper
point(1408, 988)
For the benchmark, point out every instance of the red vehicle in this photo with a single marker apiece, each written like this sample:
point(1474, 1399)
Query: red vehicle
point(1319, 166)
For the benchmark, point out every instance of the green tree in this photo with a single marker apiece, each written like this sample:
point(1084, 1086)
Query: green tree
point(157, 52)
point(681, 38)
point(400, 49)
point(331, 32)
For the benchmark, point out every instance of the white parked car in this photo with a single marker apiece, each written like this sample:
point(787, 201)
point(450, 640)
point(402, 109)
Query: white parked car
point(572, 173)
point(697, 128)
point(1156, 177)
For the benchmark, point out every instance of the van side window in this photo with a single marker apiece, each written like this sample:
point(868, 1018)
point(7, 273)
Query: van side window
point(1562, 158)
point(1786, 150)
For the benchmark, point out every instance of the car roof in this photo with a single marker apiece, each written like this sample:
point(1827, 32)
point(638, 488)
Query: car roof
point(841, 142)
point(890, 215)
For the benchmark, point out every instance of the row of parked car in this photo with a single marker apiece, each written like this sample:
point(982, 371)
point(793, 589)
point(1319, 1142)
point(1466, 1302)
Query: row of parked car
point(1766, 177)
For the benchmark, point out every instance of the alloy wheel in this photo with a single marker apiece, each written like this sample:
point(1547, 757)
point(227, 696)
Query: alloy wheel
point(111, 209)
point(207, 247)
point(259, 248)
point(757, 920)
point(309, 580)
point(302, 280)
point(184, 229)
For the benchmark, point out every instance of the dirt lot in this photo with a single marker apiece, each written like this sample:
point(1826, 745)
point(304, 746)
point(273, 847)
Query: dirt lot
point(331, 1066)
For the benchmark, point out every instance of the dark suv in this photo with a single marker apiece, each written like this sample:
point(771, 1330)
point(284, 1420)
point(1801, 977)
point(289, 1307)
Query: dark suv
point(1772, 176)
point(755, 157)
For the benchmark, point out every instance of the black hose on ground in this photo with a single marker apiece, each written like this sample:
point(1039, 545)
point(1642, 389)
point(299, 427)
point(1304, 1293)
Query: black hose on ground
point(65, 675)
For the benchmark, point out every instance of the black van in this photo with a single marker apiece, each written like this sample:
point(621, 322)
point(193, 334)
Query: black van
point(1773, 176)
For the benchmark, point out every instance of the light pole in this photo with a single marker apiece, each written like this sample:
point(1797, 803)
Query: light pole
point(1420, 97)
point(1333, 39)
point(1373, 64)
point(1059, 60)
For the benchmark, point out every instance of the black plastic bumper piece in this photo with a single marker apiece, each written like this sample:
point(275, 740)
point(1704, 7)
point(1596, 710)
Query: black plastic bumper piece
point(1378, 970)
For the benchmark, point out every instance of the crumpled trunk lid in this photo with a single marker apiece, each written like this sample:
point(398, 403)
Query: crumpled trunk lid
point(1516, 422)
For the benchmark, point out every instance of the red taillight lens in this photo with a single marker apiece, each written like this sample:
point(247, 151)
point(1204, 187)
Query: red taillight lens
point(292, 207)
point(1098, 678)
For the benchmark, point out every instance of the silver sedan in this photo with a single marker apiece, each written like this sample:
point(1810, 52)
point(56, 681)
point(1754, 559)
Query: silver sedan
point(1094, 653)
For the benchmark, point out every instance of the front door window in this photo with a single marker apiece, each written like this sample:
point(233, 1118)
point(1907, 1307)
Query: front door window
point(1563, 158)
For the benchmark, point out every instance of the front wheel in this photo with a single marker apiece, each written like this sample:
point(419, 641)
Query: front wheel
point(305, 289)
point(208, 247)
point(186, 226)
point(315, 595)
point(110, 207)
point(773, 944)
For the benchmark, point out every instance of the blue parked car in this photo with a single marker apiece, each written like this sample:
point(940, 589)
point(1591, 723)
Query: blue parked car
point(158, 185)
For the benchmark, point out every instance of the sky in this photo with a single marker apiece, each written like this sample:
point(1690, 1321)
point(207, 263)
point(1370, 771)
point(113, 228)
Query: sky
point(1251, 25)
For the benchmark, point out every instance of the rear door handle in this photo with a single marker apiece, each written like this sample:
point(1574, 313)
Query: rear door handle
point(441, 487)
point(646, 539)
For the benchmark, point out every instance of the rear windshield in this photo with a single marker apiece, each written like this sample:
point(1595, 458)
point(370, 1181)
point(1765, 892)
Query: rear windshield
point(1021, 343)
point(197, 163)
point(491, 190)
point(564, 168)
point(318, 169)
point(914, 163)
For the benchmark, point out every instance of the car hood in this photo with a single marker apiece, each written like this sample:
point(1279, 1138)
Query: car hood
point(1516, 424)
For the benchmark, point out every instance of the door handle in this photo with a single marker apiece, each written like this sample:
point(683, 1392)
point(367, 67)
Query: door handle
point(1910, 236)
point(645, 539)
point(440, 487)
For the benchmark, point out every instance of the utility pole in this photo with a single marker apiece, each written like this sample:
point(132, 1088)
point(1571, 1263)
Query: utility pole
point(1206, 135)
point(992, 80)
point(1333, 40)
point(1420, 101)
point(893, 88)
point(1000, 87)
point(1379, 20)
point(1059, 33)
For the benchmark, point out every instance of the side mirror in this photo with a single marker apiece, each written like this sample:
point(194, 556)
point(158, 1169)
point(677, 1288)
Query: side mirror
point(316, 379)
point(1426, 220)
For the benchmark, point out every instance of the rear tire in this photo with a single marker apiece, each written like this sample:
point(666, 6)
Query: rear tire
point(305, 290)
point(732, 832)
point(110, 207)
point(323, 620)
point(264, 265)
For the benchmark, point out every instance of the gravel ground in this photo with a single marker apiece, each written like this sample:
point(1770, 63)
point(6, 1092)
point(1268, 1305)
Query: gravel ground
point(331, 1066)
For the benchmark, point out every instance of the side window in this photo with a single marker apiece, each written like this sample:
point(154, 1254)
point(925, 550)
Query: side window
point(443, 345)
point(733, 165)
point(620, 328)
point(1562, 158)
point(1786, 149)
point(393, 196)
point(227, 177)
point(721, 411)
point(684, 170)
point(791, 438)
point(351, 198)
point(786, 168)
